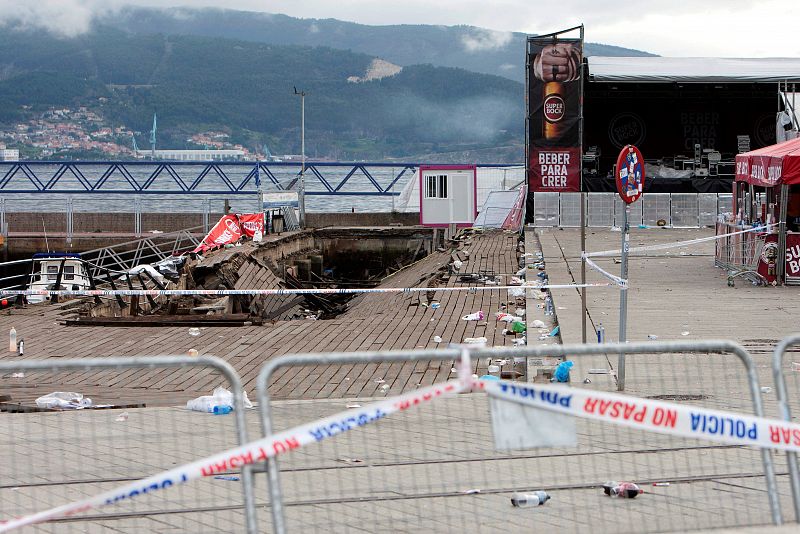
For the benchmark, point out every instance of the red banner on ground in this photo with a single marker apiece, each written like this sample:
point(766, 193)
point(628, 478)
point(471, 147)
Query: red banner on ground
point(227, 230)
point(251, 223)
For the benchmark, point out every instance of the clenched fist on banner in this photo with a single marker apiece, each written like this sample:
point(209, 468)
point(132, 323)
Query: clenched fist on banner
point(559, 62)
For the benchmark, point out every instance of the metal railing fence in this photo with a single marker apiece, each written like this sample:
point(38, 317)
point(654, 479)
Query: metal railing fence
point(149, 250)
point(784, 394)
point(442, 453)
point(54, 457)
point(677, 210)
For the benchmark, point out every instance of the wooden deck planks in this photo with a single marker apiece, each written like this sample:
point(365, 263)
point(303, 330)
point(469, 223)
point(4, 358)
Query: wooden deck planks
point(372, 322)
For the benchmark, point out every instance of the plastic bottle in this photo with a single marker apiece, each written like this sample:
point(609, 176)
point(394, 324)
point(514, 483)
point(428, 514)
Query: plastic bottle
point(548, 305)
point(12, 340)
point(210, 404)
point(601, 333)
point(21, 347)
point(522, 500)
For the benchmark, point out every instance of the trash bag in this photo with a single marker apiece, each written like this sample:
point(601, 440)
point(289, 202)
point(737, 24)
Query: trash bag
point(562, 371)
point(476, 316)
point(220, 401)
point(171, 267)
point(64, 400)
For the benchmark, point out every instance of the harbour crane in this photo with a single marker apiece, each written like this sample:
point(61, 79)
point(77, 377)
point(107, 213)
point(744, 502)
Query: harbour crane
point(153, 139)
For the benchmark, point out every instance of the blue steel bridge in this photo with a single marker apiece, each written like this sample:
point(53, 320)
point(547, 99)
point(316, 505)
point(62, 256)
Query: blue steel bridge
point(206, 178)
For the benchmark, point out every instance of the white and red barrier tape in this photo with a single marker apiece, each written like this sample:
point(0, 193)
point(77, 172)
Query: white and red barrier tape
point(652, 415)
point(649, 248)
point(225, 292)
point(644, 414)
point(665, 246)
point(250, 453)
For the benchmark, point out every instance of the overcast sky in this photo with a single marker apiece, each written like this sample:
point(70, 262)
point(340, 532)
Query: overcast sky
point(733, 28)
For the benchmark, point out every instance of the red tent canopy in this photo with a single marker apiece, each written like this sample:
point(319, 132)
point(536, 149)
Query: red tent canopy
point(770, 166)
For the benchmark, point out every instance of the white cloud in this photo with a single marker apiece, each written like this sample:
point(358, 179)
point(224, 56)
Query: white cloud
point(480, 40)
point(66, 18)
point(508, 66)
point(666, 27)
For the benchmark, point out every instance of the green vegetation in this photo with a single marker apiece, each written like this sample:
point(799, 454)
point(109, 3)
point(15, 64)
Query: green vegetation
point(466, 47)
point(196, 83)
point(234, 71)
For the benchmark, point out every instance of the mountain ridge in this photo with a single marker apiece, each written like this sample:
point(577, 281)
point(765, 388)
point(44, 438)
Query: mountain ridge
point(462, 46)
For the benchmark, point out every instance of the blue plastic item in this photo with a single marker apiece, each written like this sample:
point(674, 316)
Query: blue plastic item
point(222, 410)
point(489, 377)
point(562, 371)
point(554, 333)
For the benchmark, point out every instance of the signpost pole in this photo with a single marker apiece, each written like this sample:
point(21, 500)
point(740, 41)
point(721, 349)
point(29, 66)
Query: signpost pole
point(630, 178)
point(623, 297)
point(584, 312)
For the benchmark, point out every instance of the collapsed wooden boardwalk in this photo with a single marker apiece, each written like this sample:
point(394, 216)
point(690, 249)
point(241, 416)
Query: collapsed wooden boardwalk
point(372, 322)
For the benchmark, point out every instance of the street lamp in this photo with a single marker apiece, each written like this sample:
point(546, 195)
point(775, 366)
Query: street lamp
point(302, 188)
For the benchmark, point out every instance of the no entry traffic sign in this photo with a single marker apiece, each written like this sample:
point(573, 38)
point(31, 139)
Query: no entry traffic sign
point(630, 174)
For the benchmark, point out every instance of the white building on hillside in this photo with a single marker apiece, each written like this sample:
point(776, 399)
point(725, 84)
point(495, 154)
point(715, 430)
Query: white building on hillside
point(194, 155)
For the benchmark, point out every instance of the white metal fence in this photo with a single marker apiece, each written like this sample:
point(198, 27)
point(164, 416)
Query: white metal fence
point(678, 210)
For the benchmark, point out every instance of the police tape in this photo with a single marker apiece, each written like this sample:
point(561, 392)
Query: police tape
point(651, 415)
point(250, 453)
point(677, 244)
point(315, 291)
point(634, 412)
point(616, 279)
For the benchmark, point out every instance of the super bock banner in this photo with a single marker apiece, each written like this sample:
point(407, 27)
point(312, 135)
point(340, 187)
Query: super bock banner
point(554, 102)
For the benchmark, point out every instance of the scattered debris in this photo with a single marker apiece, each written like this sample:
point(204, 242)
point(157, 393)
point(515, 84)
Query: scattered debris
point(219, 402)
point(562, 371)
point(64, 400)
point(623, 490)
point(522, 500)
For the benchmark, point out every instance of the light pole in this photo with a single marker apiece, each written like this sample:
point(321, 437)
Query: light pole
point(302, 189)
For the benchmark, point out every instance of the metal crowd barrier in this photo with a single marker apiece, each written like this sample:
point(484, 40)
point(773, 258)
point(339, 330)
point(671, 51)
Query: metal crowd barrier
point(678, 210)
point(442, 452)
point(437, 466)
point(779, 372)
point(51, 458)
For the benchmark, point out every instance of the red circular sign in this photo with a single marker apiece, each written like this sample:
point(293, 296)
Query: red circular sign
point(553, 108)
point(630, 174)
